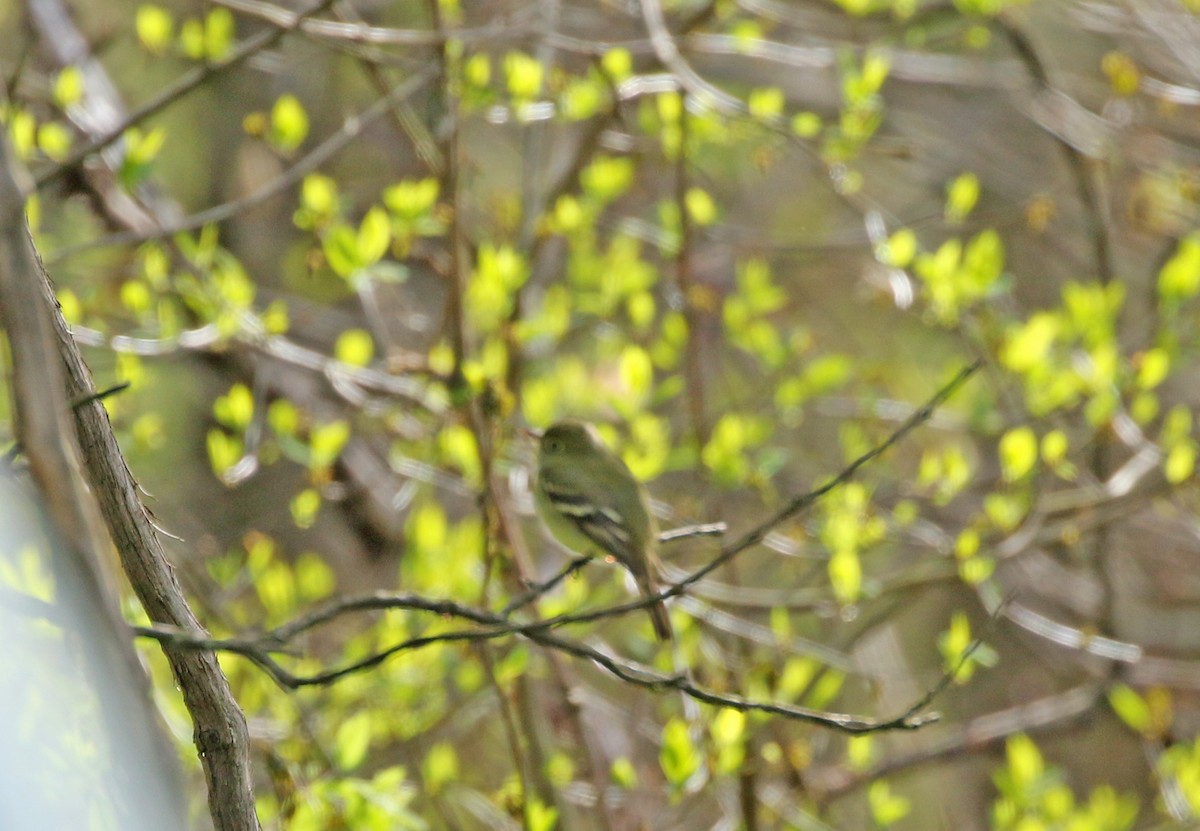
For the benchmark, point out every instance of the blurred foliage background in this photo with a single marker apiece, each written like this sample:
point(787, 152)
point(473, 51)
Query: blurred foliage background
point(368, 242)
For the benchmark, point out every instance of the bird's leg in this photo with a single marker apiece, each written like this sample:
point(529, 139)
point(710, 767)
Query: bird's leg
point(536, 590)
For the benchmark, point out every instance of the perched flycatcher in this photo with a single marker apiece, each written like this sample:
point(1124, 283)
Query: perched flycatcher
point(593, 504)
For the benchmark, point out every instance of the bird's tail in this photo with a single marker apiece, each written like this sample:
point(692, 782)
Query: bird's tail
point(661, 621)
point(658, 612)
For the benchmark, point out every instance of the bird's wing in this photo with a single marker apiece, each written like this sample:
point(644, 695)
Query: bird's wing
point(599, 523)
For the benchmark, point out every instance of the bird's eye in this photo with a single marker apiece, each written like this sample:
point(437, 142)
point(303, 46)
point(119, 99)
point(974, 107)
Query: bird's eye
point(554, 445)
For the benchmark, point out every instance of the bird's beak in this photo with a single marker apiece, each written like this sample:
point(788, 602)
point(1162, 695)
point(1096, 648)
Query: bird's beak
point(531, 433)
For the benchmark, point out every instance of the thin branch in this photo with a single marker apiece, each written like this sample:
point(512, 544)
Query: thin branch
point(220, 731)
point(174, 92)
point(83, 401)
point(494, 626)
point(351, 129)
point(791, 509)
point(44, 427)
point(259, 651)
point(710, 529)
point(538, 589)
point(976, 735)
point(512, 27)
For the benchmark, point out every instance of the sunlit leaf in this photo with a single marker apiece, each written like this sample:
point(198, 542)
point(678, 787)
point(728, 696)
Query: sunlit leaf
point(289, 123)
point(678, 756)
point(154, 26)
point(353, 740)
point(1018, 453)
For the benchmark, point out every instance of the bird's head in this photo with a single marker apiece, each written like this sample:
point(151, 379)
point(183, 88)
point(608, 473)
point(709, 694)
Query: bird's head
point(567, 437)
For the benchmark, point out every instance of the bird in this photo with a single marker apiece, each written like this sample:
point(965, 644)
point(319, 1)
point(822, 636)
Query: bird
point(593, 504)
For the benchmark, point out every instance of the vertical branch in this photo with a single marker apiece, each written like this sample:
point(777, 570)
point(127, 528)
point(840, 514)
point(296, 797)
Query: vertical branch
point(478, 414)
point(693, 368)
point(1088, 187)
point(406, 120)
point(219, 727)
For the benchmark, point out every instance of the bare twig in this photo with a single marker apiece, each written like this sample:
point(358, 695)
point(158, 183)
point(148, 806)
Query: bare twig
point(973, 736)
point(351, 129)
point(259, 651)
point(791, 509)
point(47, 433)
point(220, 728)
point(174, 92)
point(495, 626)
point(577, 564)
point(538, 589)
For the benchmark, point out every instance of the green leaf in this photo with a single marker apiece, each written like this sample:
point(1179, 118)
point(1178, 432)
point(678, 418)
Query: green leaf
point(276, 589)
point(1027, 345)
point(478, 70)
point(140, 150)
point(700, 206)
point(304, 507)
point(524, 74)
point(1054, 447)
point(1153, 368)
point(1018, 453)
point(623, 773)
point(766, 103)
point(224, 451)
point(582, 98)
point(845, 575)
point(678, 757)
point(607, 177)
point(283, 417)
point(374, 235)
point(900, 249)
point(1025, 764)
point(235, 409)
point(154, 26)
point(961, 196)
point(191, 38)
point(289, 123)
point(319, 194)
point(354, 347)
point(353, 740)
point(512, 666)
point(218, 33)
point(1005, 510)
point(1130, 707)
point(541, 817)
point(1181, 463)
point(560, 769)
point(954, 642)
point(440, 767)
point(314, 578)
point(1179, 278)
point(728, 727)
point(974, 570)
point(457, 446)
point(410, 199)
point(340, 246)
point(636, 372)
point(427, 529)
point(70, 306)
point(826, 689)
point(860, 752)
point(68, 87)
point(886, 808)
point(136, 296)
point(806, 125)
point(618, 63)
point(1177, 425)
point(327, 441)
